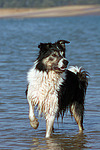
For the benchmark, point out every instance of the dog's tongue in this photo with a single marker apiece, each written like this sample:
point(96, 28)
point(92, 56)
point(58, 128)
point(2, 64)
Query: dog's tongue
point(62, 68)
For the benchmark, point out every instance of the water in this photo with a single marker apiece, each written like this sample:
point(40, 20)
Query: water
point(19, 39)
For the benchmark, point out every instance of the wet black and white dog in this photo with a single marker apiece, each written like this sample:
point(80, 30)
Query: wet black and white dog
point(53, 88)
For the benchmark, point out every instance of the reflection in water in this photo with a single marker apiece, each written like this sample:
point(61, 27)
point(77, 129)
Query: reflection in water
point(61, 142)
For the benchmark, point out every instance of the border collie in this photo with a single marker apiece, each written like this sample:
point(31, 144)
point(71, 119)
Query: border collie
point(53, 88)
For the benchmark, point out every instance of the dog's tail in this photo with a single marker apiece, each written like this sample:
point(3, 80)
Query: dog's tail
point(82, 76)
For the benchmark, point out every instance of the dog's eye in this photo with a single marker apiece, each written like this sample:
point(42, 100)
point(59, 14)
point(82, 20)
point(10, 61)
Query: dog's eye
point(54, 55)
point(51, 58)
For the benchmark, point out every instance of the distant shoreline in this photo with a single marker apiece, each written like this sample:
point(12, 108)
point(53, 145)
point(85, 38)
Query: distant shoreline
point(50, 12)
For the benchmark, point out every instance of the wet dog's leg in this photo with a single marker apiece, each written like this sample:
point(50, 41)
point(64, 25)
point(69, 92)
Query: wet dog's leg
point(33, 120)
point(77, 110)
point(49, 125)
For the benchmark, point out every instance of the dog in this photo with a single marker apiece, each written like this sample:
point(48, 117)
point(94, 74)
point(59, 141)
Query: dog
point(55, 89)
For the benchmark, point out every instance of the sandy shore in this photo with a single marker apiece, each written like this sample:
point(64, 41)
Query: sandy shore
point(50, 12)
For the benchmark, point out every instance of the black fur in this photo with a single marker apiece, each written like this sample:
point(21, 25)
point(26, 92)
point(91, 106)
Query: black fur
point(72, 92)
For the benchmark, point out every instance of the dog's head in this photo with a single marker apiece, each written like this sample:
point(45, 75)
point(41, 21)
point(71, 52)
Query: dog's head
point(52, 57)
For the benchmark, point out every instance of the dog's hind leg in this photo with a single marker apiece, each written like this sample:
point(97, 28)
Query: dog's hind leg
point(49, 125)
point(33, 120)
point(77, 110)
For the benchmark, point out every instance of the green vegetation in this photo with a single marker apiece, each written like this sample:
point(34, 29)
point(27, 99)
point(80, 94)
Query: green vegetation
point(43, 3)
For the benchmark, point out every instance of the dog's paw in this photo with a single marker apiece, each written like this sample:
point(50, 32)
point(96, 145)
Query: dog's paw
point(34, 123)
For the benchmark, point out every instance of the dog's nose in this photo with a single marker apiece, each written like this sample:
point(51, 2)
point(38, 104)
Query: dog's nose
point(65, 62)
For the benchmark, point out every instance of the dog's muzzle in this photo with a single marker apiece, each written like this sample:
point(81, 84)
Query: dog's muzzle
point(62, 64)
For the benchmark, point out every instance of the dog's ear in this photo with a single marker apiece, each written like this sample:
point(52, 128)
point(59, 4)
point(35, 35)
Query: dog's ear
point(41, 45)
point(62, 43)
point(44, 45)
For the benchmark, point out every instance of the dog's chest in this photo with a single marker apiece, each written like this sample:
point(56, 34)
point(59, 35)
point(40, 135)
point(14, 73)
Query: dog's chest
point(43, 89)
point(49, 84)
point(46, 84)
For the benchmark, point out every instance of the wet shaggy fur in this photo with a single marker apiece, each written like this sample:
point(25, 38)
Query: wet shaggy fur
point(53, 88)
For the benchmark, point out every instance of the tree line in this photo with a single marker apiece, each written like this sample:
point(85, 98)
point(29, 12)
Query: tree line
point(43, 3)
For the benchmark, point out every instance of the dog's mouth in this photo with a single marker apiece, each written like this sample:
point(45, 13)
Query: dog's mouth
point(62, 65)
point(60, 69)
point(63, 68)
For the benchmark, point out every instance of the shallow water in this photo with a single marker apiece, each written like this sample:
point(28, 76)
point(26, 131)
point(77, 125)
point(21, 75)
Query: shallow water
point(19, 39)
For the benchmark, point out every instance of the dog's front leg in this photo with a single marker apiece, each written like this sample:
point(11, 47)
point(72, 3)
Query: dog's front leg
point(49, 125)
point(33, 120)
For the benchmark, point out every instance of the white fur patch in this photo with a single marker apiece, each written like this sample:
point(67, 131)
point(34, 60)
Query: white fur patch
point(61, 53)
point(60, 64)
point(42, 90)
point(74, 69)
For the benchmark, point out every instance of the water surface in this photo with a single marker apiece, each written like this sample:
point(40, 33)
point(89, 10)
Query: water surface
point(19, 39)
